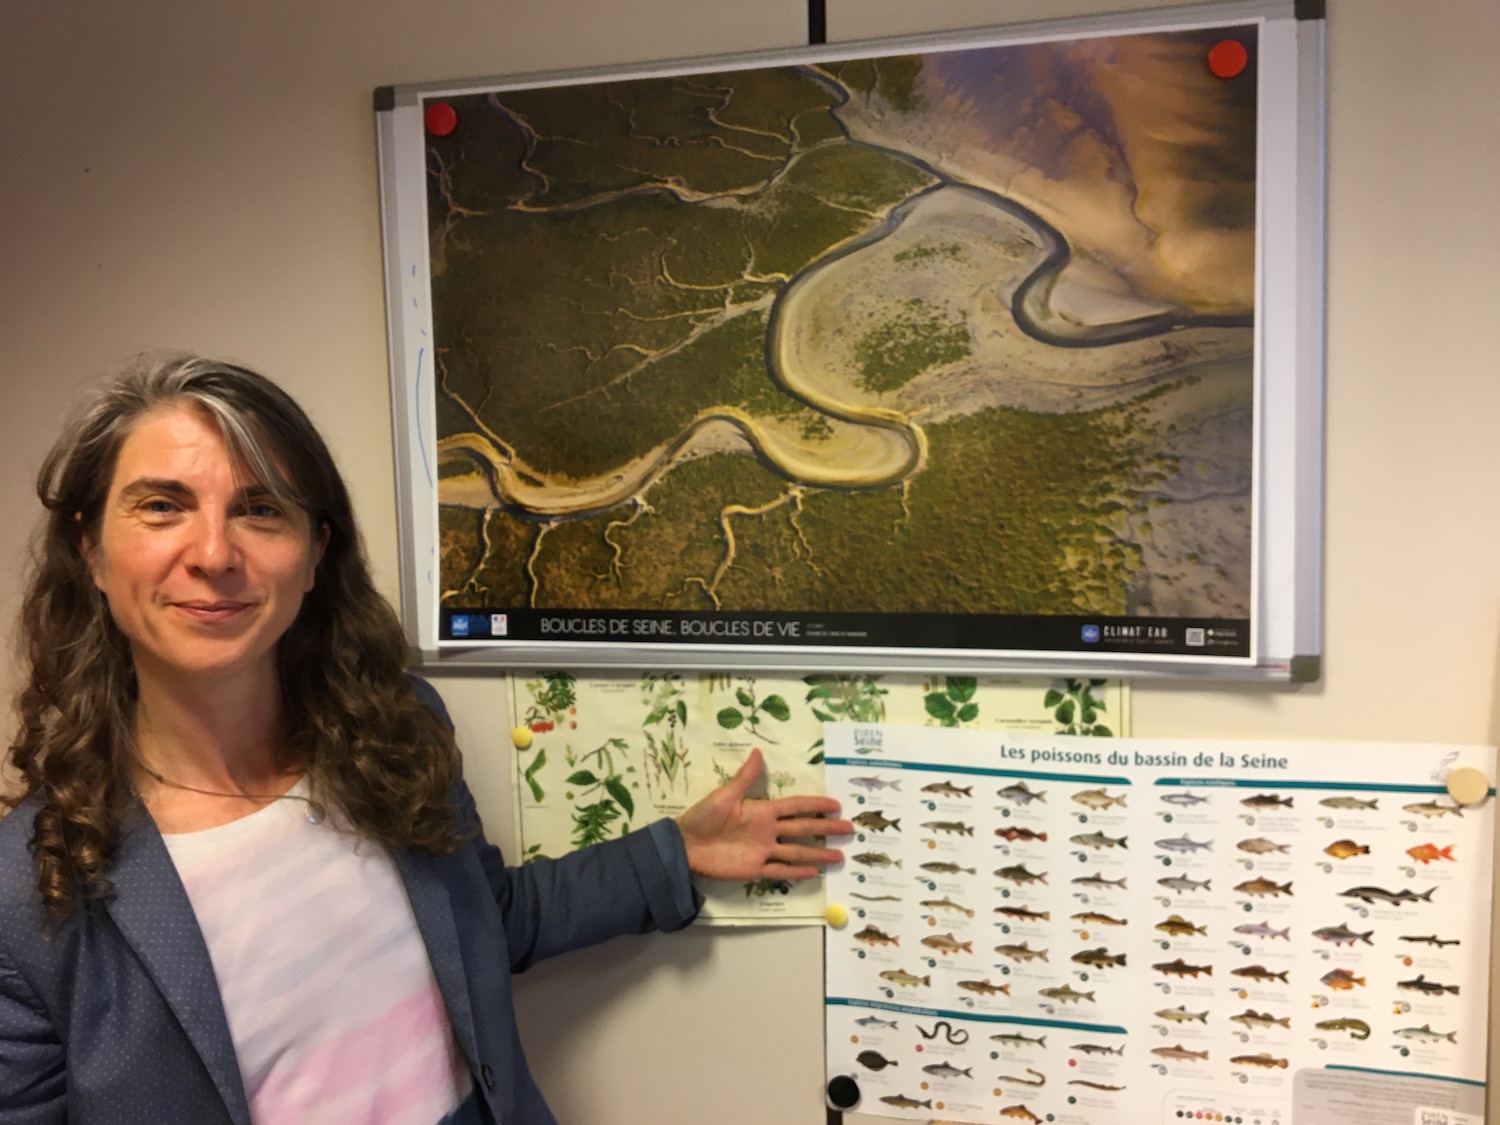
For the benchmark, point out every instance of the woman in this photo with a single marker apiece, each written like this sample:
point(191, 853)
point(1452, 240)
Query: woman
point(244, 880)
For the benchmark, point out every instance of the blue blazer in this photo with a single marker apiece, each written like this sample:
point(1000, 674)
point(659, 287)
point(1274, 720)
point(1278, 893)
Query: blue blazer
point(115, 1016)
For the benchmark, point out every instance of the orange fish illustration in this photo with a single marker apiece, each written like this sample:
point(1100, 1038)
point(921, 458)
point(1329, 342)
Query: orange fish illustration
point(1426, 853)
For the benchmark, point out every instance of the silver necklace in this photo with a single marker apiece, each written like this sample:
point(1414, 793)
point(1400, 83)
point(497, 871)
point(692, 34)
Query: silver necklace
point(315, 811)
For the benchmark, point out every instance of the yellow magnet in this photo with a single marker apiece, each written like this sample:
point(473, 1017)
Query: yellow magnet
point(1468, 786)
point(521, 736)
point(837, 916)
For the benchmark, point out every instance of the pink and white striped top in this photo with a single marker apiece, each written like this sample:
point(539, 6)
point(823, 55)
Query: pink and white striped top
point(331, 1001)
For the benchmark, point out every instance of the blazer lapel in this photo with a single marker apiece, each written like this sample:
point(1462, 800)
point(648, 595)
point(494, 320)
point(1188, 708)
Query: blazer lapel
point(152, 911)
point(434, 913)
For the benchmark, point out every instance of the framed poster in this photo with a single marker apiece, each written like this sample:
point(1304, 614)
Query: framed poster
point(999, 350)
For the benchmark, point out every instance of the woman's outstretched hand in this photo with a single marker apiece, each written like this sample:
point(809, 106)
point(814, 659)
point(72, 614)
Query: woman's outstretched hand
point(730, 836)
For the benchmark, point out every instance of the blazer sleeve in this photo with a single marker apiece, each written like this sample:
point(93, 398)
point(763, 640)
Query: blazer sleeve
point(627, 886)
point(33, 1064)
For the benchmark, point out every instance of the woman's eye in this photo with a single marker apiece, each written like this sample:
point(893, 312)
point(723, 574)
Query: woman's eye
point(263, 511)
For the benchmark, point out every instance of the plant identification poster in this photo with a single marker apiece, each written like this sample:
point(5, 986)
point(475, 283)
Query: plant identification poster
point(1053, 929)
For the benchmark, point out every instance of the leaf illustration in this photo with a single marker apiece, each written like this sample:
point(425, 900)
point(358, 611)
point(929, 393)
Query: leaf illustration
point(537, 793)
point(1102, 731)
point(1064, 712)
point(776, 707)
point(968, 712)
point(621, 794)
point(730, 717)
point(583, 777)
point(939, 706)
point(823, 716)
point(745, 698)
point(682, 712)
point(1052, 699)
point(961, 689)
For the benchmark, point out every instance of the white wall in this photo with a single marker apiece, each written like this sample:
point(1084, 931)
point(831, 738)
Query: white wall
point(203, 176)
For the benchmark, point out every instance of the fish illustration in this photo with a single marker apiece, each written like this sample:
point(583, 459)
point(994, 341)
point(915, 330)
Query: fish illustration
point(876, 859)
point(1431, 939)
point(875, 821)
point(1341, 980)
point(1180, 1014)
point(1251, 1018)
point(1093, 1085)
point(901, 1101)
point(1259, 845)
point(1183, 884)
point(874, 1060)
point(1022, 952)
point(1021, 795)
point(1357, 1029)
point(1018, 874)
point(1099, 881)
point(1427, 853)
point(1013, 833)
point(1025, 915)
point(1014, 1039)
point(1425, 1034)
point(957, 1037)
point(984, 987)
point(875, 784)
point(1267, 801)
point(872, 937)
point(1261, 930)
point(1099, 919)
point(1065, 994)
point(944, 1070)
point(947, 943)
point(874, 898)
point(1021, 1112)
point(1179, 1053)
point(1178, 926)
point(1098, 799)
point(1349, 803)
point(945, 903)
point(1040, 1080)
point(1432, 808)
point(952, 827)
point(1183, 844)
point(1346, 849)
point(939, 867)
point(1343, 935)
point(1097, 1049)
point(1260, 973)
point(1097, 840)
point(1372, 895)
point(1430, 987)
point(1264, 1059)
point(876, 1021)
point(1181, 968)
point(902, 977)
point(948, 789)
point(1184, 799)
point(1100, 958)
point(1259, 888)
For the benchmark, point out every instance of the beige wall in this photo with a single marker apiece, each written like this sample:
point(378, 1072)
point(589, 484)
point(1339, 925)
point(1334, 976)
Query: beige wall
point(191, 175)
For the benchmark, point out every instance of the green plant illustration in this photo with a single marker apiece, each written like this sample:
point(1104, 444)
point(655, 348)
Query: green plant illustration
point(592, 820)
point(953, 704)
point(752, 710)
point(780, 780)
point(664, 727)
point(532, 854)
point(1076, 708)
point(847, 699)
point(538, 794)
point(553, 700)
point(767, 886)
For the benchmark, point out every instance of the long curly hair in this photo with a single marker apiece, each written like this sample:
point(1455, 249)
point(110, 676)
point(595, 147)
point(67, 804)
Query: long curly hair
point(351, 718)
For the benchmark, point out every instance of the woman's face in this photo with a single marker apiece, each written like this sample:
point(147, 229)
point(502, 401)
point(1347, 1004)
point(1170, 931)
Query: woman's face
point(203, 569)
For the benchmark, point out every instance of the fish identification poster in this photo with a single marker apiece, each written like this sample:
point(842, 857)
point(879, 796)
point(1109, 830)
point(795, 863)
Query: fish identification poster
point(1053, 929)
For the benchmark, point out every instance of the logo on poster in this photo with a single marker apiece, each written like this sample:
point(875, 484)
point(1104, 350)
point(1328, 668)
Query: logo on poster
point(499, 627)
point(1091, 634)
point(460, 624)
point(1195, 638)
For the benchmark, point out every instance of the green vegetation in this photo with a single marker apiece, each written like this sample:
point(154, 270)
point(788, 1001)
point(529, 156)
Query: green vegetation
point(913, 340)
point(926, 253)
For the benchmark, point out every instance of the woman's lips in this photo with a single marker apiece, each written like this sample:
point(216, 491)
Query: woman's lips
point(211, 613)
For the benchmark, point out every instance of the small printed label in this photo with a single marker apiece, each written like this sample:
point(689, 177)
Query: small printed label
point(1426, 1116)
point(499, 627)
point(1195, 638)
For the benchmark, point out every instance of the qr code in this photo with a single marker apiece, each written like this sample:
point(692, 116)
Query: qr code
point(1195, 638)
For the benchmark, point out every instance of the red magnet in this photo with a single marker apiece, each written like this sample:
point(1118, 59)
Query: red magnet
point(1226, 59)
point(442, 118)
